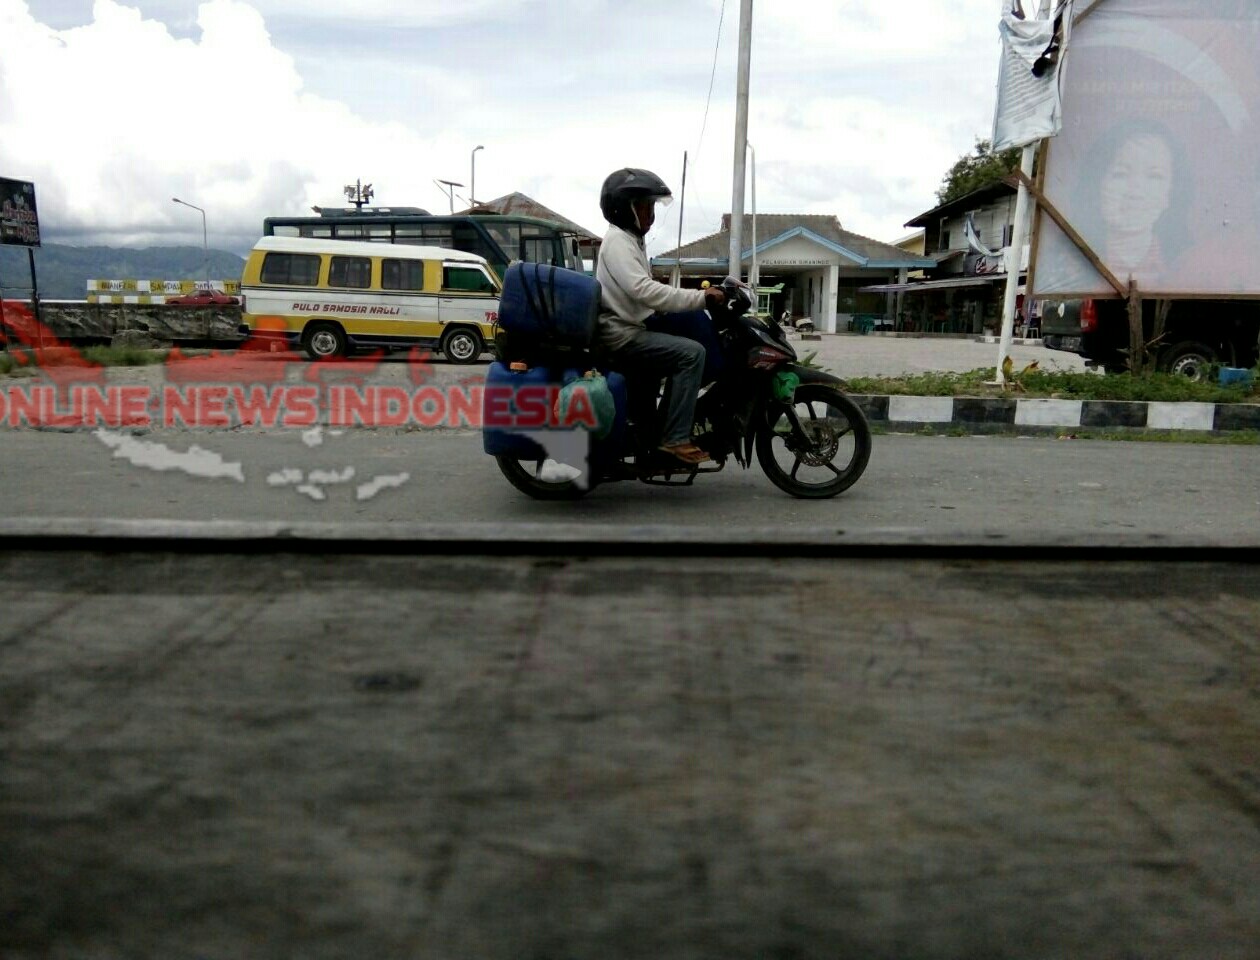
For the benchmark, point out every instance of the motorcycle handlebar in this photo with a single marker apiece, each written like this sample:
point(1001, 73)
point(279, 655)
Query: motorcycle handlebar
point(739, 299)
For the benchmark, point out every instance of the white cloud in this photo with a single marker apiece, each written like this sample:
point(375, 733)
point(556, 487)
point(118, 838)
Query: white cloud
point(824, 33)
point(114, 118)
point(858, 108)
point(401, 13)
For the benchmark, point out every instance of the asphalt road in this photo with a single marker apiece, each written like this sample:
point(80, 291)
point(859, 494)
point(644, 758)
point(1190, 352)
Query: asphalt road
point(1027, 488)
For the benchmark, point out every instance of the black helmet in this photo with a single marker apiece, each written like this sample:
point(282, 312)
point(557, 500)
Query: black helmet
point(624, 186)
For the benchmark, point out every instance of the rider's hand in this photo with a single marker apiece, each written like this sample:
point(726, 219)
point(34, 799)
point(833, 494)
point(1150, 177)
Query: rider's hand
point(714, 297)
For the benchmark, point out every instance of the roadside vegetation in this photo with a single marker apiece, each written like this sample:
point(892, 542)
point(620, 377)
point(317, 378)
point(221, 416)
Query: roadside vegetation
point(976, 170)
point(26, 362)
point(1057, 385)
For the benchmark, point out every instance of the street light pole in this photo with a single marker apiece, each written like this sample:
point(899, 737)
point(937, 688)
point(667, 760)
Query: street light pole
point(472, 184)
point(450, 191)
point(205, 247)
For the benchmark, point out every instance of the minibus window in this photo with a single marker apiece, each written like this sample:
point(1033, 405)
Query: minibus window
point(402, 274)
point(350, 272)
point(349, 231)
point(291, 269)
point(466, 280)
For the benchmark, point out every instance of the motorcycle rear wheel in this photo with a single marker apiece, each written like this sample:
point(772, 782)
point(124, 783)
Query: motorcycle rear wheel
point(837, 429)
point(525, 476)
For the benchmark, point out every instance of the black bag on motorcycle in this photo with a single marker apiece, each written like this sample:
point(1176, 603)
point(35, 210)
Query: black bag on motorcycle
point(547, 315)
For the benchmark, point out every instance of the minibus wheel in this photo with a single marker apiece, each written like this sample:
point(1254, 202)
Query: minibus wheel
point(324, 341)
point(461, 346)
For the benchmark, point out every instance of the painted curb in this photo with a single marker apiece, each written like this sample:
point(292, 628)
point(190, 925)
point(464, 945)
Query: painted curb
point(1034, 415)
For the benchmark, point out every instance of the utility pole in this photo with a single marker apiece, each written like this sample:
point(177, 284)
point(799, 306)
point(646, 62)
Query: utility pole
point(754, 277)
point(1014, 259)
point(682, 205)
point(741, 138)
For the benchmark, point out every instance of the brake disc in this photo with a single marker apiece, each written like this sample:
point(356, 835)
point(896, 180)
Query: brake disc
point(824, 443)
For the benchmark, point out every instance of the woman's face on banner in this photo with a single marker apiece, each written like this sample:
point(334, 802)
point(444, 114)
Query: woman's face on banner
point(1137, 184)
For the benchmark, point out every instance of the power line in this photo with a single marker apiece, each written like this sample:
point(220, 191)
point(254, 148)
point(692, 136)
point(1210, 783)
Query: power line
point(717, 47)
point(712, 74)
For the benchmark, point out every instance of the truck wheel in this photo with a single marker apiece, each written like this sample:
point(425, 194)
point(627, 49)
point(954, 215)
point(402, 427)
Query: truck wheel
point(1189, 359)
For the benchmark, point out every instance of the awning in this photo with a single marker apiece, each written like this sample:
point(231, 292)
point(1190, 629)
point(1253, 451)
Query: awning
point(934, 284)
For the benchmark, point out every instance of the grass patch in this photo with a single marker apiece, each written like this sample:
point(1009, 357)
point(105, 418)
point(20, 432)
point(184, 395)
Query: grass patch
point(1230, 438)
point(1243, 438)
point(1056, 385)
point(27, 362)
point(9, 367)
point(123, 356)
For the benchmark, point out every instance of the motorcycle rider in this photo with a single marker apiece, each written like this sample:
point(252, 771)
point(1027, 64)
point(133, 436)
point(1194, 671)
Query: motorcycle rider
point(629, 297)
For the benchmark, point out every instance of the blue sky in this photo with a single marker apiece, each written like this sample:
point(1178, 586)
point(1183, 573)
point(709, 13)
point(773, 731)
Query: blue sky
point(252, 108)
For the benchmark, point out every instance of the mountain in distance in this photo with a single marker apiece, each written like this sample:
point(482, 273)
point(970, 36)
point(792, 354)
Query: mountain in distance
point(63, 271)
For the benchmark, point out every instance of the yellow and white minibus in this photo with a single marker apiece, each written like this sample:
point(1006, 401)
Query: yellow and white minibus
point(332, 297)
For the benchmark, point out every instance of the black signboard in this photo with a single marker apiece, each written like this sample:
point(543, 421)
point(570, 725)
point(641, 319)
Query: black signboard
point(19, 223)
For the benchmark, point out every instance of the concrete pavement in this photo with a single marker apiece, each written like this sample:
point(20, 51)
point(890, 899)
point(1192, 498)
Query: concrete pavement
point(292, 755)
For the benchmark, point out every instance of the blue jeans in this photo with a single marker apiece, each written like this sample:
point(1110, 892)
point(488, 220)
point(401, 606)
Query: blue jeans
point(696, 325)
point(650, 356)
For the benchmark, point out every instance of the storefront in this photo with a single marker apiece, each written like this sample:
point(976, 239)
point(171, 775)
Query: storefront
point(969, 238)
point(822, 267)
point(970, 305)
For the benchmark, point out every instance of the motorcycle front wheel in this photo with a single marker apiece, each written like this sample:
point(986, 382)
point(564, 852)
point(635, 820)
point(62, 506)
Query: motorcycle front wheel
point(831, 456)
point(532, 477)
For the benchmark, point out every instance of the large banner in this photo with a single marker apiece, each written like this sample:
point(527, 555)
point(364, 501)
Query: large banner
point(19, 221)
point(1158, 163)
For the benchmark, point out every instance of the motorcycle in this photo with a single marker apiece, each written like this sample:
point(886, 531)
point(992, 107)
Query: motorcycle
point(811, 440)
point(803, 325)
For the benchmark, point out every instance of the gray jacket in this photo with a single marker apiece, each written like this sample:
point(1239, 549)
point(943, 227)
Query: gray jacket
point(629, 294)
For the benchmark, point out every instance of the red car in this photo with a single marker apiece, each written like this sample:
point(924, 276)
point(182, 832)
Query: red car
point(203, 298)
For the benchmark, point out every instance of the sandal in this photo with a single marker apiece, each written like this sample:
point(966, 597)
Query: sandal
point(686, 451)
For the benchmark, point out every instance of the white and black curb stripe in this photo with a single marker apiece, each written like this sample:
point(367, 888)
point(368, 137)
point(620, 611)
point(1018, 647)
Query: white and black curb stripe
point(1040, 415)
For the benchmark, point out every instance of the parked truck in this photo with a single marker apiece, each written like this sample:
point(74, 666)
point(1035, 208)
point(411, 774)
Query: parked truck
point(1197, 334)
